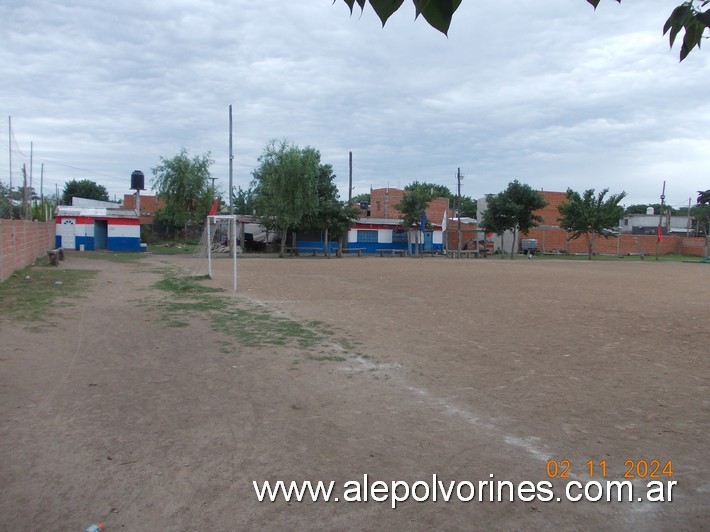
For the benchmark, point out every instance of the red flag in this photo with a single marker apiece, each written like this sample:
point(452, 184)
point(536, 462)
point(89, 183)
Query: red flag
point(213, 210)
point(660, 233)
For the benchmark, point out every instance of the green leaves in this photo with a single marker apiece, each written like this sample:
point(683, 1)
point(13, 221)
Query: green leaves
point(595, 3)
point(513, 208)
point(183, 182)
point(686, 16)
point(437, 13)
point(588, 213)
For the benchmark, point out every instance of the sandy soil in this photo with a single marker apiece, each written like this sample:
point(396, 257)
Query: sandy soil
point(459, 368)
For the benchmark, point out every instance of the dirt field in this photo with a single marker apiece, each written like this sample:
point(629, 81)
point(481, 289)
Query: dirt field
point(459, 368)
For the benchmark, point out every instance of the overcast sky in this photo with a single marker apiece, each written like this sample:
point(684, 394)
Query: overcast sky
point(548, 92)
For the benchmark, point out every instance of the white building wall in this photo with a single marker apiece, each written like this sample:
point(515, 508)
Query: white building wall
point(384, 236)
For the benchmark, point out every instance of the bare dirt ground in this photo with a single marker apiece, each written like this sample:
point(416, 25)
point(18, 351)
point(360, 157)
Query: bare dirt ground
point(459, 368)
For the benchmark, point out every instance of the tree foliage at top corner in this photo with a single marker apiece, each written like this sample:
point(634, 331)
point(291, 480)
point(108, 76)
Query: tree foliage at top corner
point(689, 16)
point(437, 13)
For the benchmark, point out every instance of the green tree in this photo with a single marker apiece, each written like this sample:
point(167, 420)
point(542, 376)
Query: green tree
point(244, 201)
point(513, 210)
point(434, 190)
point(640, 208)
point(688, 17)
point(412, 206)
point(590, 216)
point(360, 198)
point(468, 206)
point(184, 184)
point(498, 216)
point(285, 185)
point(329, 214)
point(702, 211)
point(84, 188)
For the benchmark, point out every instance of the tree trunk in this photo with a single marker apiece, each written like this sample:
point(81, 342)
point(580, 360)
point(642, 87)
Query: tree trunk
point(282, 249)
point(326, 249)
point(512, 246)
point(590, 244)
point(502, 245)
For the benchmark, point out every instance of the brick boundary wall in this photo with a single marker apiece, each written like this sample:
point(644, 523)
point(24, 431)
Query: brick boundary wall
point(554, 239)
point(22, 242)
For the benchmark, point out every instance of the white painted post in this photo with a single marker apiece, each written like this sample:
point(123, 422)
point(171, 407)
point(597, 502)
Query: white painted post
point(234, 252)
point(209, 250)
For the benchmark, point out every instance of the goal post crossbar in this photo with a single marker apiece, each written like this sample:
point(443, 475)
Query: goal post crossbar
point(232, 219)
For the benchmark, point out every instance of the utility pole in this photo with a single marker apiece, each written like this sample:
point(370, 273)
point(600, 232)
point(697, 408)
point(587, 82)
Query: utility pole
point(30, 191)
point(231, 164)
point(459, 177)
point(350, 182)
point(660, 221)
point(9, 149)
point(41, 193)
point(23, 214)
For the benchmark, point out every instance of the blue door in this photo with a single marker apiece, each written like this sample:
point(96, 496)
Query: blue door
point(100, 234)
point(428, 241)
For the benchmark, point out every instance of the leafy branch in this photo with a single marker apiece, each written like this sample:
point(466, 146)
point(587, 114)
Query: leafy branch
point(689, 16)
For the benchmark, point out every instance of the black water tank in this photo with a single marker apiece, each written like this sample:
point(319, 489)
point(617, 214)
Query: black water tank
point(137, 180)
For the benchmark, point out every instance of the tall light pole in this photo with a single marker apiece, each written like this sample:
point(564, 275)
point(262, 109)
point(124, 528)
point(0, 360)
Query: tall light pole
point(231, 163)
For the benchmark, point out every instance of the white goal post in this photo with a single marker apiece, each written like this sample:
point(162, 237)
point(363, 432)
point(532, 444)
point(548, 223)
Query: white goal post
point(232, 244)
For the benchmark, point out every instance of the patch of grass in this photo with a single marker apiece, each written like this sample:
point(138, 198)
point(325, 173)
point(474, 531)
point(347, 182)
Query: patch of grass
point(29, 294)
point(624, 258)
point(173, 248)
point(185, 284)
point(249, 324)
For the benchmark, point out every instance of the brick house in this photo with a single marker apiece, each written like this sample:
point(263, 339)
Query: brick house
point(382, 229)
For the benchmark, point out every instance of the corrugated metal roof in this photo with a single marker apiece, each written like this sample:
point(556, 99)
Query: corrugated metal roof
point(380, 221)
point(64, 210)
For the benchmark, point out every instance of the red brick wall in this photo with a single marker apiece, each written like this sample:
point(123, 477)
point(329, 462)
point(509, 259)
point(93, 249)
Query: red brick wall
point(468, 232)
point(22, 242)
point(383, 202)
point(550, 240)
point(550, 214)
point(149, 206)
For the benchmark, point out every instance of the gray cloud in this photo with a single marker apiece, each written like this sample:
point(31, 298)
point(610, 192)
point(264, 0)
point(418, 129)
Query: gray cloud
point(553, 94)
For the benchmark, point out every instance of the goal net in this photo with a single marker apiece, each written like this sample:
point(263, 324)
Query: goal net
point(217, 240)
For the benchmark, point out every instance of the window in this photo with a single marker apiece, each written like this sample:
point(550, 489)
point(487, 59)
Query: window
point(399, 235)
point(366, 235)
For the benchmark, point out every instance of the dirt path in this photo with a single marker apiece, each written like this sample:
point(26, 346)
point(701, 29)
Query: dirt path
point(461, 369)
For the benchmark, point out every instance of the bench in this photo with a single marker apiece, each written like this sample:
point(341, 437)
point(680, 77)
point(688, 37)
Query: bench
point(393, 252)
point(298, 250)
point(312, 251)
point(468, 253)
point(353, 250)
point(55, 255)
